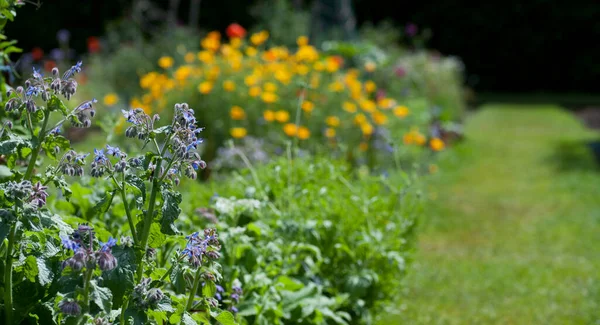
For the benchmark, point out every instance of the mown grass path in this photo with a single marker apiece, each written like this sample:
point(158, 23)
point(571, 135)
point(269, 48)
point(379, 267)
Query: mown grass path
point(512, 234)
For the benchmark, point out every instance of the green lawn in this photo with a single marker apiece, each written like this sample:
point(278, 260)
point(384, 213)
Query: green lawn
point(512, 233)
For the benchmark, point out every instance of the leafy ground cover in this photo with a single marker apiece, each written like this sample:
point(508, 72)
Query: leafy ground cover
point(511, 232)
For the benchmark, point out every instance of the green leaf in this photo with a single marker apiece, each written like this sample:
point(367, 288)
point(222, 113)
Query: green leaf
point(29, 268)
point(10, 146)
point(101, 296)
point(170, 211)
point(226, 318)
point(4, 229)
point(44, 274)
point(121, 279)
point(138, 186)
point(55, 104)
point(5, 172)
point(53, 141)
point(187, 319)
point(290, 284)
point(101, 207)
point(209, 289)
point(156, 238)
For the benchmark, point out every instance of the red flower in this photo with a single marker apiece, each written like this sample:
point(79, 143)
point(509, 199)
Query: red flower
point(93, 44)
point(49, 65)
point(37, 53)
point(339, 60)
point(235, 31)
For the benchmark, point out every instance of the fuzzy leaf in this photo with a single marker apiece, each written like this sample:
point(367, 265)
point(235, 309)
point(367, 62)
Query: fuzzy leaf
point(187, 319)
point(11, 145)
point(101, 296)
point(44, 274)
point(121, 279)
point(53, 141)
point(138, 185)
point(170, 211)
point(156, 238)
point(209, 289)
point(55, 104)
point(226, 318)
point(5, 172)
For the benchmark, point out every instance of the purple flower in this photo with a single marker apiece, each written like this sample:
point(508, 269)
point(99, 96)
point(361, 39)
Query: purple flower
point(68, 243)
point(63, 36)
point(115, 151)
point(99, 156)
point(106, 246)
point(73, 70)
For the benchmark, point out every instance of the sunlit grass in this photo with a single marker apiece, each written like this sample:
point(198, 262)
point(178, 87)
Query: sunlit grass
point(511, 236)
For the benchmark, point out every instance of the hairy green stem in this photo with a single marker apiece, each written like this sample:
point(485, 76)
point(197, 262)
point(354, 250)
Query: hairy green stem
point(128, 211)
point(148, 222)
point(194, 290)
point(36, 151)
point(86, 288)
point(8, 309)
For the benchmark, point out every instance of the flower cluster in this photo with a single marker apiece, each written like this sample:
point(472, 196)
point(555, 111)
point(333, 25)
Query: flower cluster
point(144, 296)
point(102, 164)
point(72, 163)
point(202, 247)
point(81, 242)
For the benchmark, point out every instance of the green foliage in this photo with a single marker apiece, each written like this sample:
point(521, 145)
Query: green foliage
point(311, 240)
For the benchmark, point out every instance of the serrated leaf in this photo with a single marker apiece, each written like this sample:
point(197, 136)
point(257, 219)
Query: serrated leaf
point(226, 318)
point(170, 211)
point(101, 296)
point(44, 274)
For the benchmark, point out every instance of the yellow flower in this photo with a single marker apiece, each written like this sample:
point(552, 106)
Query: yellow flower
point(238, 133)
point(259, 38)
point(363, 146)
point(332, 121)
point(370, 66)
point(360, 119)
point(254, 91)
point(332, 64)
point(251, 51)
point(303, 133)
point(147, 80)
point(189, 57)
point(408, 138)
point(366, 128)
point(235, 42)
point(290, 129)
point(182, 73)
point(269, 98)
point(211, 43)
point(165, 62)
point(136, 103)
point(319, 66)
point(349, 107)
point(228, 85)
point(370, 86)
point(237, 113)
point(307, 53)
point(283, 76)
point(302, 41)
point(270, 87)
point(308, 106)
point(282, 116)
point(302, 69)
point(205, 87)
point(419, 139)
point(436, 144)
point(379, 118)
point(368, 106)
point(206, 57)
point(250, 80)
point(110, 99)
point(385, 103)
point(269, 115)
point(336, 86)
point(401, 111)
point(330, 132)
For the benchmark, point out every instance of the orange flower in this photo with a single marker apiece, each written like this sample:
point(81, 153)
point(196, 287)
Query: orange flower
point(93, 44)
point(290, 129)
point(401, 111)
point(237, 113)
point(308, 106)
point(37, 53)
point(269, 115)
point(228, 85)
point(269, 98)
point(436, 144)
point(330, 132)
point(254, 91)
point(303, 133)
point(235, 31)
point(332, 121)
point(282, 116)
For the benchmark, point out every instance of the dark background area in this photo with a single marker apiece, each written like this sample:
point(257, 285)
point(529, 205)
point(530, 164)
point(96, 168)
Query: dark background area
point(507, 46)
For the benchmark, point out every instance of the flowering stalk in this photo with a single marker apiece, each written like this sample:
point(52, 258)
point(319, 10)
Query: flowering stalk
point(86, 288)
point(192, 295)
point(36, 151)
point(123, 192)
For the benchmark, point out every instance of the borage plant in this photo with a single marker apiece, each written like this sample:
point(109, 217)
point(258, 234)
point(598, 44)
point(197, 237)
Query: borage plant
point(93, 279)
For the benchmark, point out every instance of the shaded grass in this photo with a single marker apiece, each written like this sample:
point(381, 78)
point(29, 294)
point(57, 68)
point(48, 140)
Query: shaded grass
point(512, 231)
